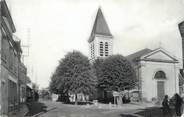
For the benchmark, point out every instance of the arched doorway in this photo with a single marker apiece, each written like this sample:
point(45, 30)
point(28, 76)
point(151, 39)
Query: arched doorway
point(160, 77)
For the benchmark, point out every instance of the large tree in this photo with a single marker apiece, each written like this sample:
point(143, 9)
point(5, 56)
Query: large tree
point(97, 66)
point(73, 75)
point(116, 74)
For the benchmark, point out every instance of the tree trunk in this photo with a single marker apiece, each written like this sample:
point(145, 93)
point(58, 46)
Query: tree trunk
point(76, 100)
point(119, 100)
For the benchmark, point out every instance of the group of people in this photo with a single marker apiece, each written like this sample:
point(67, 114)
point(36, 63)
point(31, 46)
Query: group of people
point(176, 102)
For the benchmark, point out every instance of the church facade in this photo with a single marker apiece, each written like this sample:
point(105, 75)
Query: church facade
point(157, 70)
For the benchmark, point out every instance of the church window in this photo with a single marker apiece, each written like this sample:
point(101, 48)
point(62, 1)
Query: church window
point(101, 49)
point(160, 75)
point(106, 49)
point(92, 50)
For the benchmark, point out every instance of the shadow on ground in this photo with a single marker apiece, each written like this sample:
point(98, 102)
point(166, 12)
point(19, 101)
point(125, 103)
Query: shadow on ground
point(148, 112)
point(153, 111)
point(35, 108)
point(127, 115)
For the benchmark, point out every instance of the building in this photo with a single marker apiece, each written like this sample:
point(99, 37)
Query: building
point(100, 45)
point(23, 80)
point(157, 70)
point(13, 72)
point(181, 29)
point(101, 39)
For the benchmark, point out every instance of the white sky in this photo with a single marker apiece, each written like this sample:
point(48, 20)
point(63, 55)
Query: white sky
point(59, 26)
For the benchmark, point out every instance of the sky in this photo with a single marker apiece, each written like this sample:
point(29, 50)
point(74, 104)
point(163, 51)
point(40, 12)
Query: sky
point(52, 28)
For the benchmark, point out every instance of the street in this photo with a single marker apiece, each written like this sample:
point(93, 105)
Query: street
point(97, 58)
point(57, 109)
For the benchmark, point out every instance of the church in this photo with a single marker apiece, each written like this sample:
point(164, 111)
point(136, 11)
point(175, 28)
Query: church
point(157, 70)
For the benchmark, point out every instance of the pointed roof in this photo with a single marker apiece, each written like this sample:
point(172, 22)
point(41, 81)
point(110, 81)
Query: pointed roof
point(100, 26)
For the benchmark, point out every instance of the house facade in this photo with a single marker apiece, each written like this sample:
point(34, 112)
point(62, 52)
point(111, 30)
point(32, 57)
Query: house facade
point(13, 72)
point(23, 80)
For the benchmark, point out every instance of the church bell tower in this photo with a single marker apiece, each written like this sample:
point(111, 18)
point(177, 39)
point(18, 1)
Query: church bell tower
point(101, 39)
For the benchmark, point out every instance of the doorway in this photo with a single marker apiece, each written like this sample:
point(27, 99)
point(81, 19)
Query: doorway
point(160, 90)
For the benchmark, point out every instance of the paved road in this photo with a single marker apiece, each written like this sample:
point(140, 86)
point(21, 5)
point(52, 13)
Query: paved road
point(35, 108)
point(56, 109)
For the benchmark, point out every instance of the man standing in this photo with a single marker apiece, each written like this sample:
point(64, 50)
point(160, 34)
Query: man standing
point(178, 104)
point(165, 105)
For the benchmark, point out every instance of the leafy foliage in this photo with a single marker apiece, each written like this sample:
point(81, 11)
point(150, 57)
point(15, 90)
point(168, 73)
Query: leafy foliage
point(97, 66)
point(116, 73)
point(73, 75)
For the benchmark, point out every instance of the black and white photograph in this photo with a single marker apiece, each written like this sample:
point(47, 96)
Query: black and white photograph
point(92, 58)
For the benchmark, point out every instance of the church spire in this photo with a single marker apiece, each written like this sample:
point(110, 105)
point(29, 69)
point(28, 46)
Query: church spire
point(100, 26)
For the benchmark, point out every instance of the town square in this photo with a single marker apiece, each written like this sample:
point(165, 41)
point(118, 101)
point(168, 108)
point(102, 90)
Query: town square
point(92, 58)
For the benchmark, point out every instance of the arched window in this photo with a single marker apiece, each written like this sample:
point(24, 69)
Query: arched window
point(160, 75)
point(101, 49)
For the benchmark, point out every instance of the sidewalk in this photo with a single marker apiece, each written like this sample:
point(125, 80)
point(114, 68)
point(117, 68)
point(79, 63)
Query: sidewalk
point(36, 108)
point(28, 110)
point(19, 113)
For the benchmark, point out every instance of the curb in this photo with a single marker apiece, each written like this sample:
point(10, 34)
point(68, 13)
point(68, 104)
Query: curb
point(44, 112)
point(24, 115)
point(33, 115)
point(40, 113)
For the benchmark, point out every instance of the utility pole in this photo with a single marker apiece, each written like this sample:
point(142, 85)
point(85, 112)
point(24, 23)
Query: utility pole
point(19, 62)
point(26, 45)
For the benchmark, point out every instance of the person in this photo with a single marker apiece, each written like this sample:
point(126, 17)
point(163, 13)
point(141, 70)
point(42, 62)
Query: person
point(124, 99)
point(178, 104)
point(165, 105)
point(36, 96)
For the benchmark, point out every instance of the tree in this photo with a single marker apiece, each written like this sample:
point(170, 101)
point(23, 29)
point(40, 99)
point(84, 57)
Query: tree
point(97, 66)
point(73, 75)
point(45, 94)
point(117, 74)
